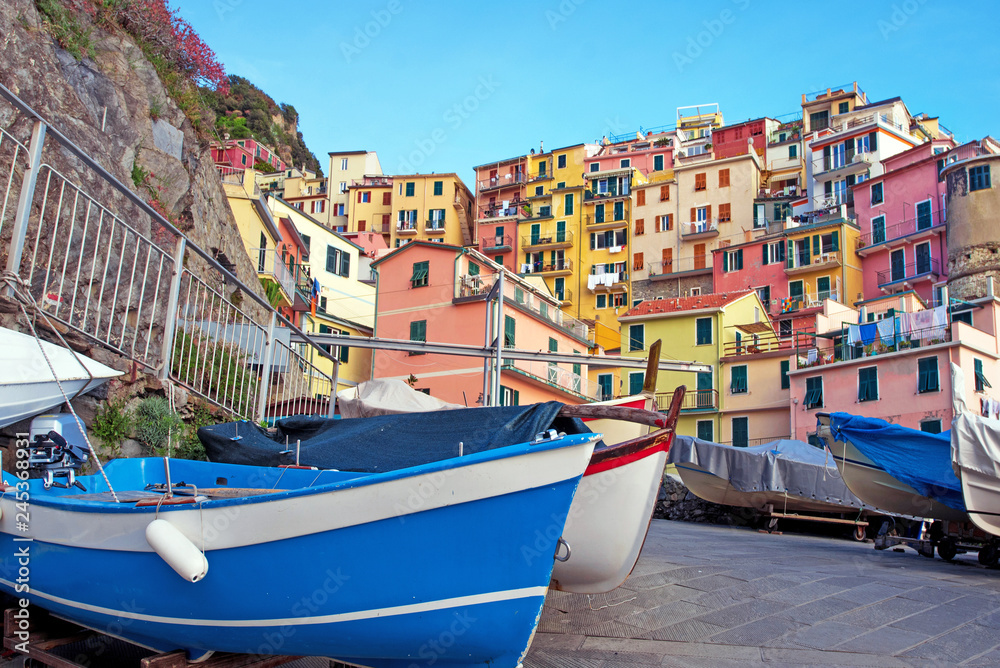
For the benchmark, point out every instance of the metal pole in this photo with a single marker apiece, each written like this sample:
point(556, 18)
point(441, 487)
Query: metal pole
point(486, 362)
point(20, 230)
point(170, 323)
point(501, 333)
point(333, 386)
point(265, 367)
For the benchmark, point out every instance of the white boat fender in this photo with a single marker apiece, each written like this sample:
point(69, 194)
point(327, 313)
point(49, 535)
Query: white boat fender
point(177, 550)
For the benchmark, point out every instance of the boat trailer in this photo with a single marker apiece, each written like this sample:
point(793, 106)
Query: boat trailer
point(948, 537)
point(56, 643)
point(771, 517)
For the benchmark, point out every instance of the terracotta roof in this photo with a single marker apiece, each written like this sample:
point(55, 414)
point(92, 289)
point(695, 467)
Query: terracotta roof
point(679, 304)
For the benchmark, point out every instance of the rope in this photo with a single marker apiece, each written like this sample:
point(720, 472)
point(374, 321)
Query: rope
point(22, 295)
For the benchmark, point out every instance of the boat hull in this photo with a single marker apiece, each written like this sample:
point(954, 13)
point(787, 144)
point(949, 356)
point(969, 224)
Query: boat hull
point(712, 488)
point(877, 488)
point(982, 497)
point(449, 573)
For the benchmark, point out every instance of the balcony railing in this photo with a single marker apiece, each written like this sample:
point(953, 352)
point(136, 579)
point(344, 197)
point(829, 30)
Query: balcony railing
point(901, 230)
point(406, 226)
point(694, 400)
point(434, 225)
point(803, 301)
point(965, 153)
point(800, 261)
point(551, 374)
point(371, 181)
point(925, 268)
point(502, 181)
point(547, 238)
point(561, 264)
point(591, 196)
point(590, 220)
point(542, 176)
point(810, 354)
point(680, 265)
point(515, 208)
point(706, 227)
point(531, 302)
point(269, 264)
point(566, 296)
point(492, 244)
point(386, 228)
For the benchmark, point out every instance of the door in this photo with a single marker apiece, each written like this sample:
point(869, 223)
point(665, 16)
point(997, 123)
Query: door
point(536, 232)
point(923, 253)
point(262, 253)
point(704, 393)
point(795, 291)
point(667, 256)
point(605, 381)
point(699, 256)
point(924, 217)
point(823, 288)
point(560, 289)
point(897, 265)
point(561, 231)
point(878, 229)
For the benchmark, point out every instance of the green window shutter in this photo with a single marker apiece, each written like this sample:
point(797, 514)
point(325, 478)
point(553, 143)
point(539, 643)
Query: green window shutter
point(867, 384)
point(981, 382)
point(764, 250)
point(516, 398)
point(791, 253)
point(657, 163)
point(784, 375)
point(593, 240)
point(738, 380)
point(836, 241)
point(345, 352)
point(509, 326)
point(561, 231)
point(568, 204)
point(706, 431)
point(602, 301)
point(438, 187)
point(739, 259)
point(873, 141)
point(635, 381)
point(741, 435)
point(704, 331)
point(536, 233)
point(725, 262)
point(473, 269)
point(636, 337)
point(553, 345)
point(410, 189)
point(816, 244)
point(418, 330)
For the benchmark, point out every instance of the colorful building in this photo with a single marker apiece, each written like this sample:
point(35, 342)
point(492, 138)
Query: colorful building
point(431, 207)
point(244, 154)
point(347, 167)
point(704, 329)
point(500, 203)
point(371, 207)
point(440, 293)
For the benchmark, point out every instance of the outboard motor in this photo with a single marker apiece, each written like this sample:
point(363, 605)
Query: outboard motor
point(52, 455)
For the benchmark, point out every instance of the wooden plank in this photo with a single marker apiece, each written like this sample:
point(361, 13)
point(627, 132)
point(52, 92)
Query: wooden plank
point(814, 518)
point(598, 411)
point(223, 660)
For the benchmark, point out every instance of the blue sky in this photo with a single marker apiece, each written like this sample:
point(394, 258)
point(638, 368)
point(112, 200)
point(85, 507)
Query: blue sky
point(444, 86)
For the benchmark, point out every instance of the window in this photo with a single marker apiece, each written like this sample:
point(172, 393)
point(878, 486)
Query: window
point(343, 352)
point(605, 382)
point(539, 191)
point(764, 293)
point(723, 178)
point(793, 151)
point(981, 382)
point(703, 331)
point(541, 168)
point(664, 193)
point(814, 392)
point(568, 204)
point(640, 198)
point(618, 299)
point(637, 262)
point(925, 219)
point(334, 261)
point(773, 253)
point(665, 223)
point(738, 379)
point(340, 210)
point(878, 229)
point(636, 337)
point(657, 163)
point(509, 331)
point(877, 193)
point(343, 164)
point(343, 187)
point(868, 384)
point(418, 332)
point(979, 177)
point(931, 426)
point(635, 381)
point(560, 185)
point(843, 108)
point(595, 166)
point(927, 375)
point(962, 316)
point(602, 301)
point(509, 397)
point(619, 211)
point(732, 260)
point(435, 219)
point(626, 162)
point(699, 181)
point(706, 430)
point(784, 375)
point(725, 212)
point(561, 161)
point(640, 226)
point(420, 273)
point(784, 328)
point(438, 188)
point(741, 432)
point(819, 120)
point(364, 196)
point(410, 189)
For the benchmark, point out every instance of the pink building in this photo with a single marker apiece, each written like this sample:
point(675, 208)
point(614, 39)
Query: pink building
point(736, 139)
point(244, 153)
point(500, 198)
point(903, 378)
point(648, 154)
point(903, 243)
point(439, 293)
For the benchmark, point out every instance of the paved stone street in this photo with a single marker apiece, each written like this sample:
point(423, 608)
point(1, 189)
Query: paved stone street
point(705, 595)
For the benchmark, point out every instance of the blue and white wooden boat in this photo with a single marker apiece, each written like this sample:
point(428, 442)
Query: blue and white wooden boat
point(445, 563)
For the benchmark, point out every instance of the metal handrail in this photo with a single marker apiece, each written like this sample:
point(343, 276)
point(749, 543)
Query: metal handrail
point(899, 230)
point(911, 270)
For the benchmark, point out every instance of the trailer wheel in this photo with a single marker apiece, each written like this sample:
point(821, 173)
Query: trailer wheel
point(947, 548)
point(989, 554)
point(859, 532)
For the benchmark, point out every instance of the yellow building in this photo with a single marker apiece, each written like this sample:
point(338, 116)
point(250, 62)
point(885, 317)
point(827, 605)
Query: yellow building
point(708, 329)
point(346, 168)
point(371, 206)
point(431, 207)
point(819, 263)
point(346, 296)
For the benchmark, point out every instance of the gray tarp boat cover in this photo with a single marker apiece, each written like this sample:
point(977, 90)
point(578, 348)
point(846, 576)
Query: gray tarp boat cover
point(975, 440)
point(784, 465)
point(384, 396)
point(383, 443)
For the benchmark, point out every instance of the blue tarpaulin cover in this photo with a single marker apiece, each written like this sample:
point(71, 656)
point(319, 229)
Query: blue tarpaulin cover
point(917, 458)
point(385, 442)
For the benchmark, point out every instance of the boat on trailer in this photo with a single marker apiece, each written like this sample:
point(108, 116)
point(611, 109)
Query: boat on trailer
point(27, 386)
point(424, 563)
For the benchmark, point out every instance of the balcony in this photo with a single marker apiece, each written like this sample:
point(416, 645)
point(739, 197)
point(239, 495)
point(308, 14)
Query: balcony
point(473, 287)
point(528, 301)
point(504, 181)
point(801, 264)
point(434, 226)
point(695, 401)
point(542, 176)
point(599, 280)
point(565, 297)
point(701, 229)
point(900, 234)
point(516, 208)
point(542, 213)
point(496, 244)
point(806, 300)
point(905, 276)
point(406, 228)
point(271, 268)
point(699, 264)
point(554, 376)
point(547, 241)
point(595, 223)
point(843, 164)
point(561, 267)
point(811, 355)
point(386, 228)
point(590, 197)
point(371, 182)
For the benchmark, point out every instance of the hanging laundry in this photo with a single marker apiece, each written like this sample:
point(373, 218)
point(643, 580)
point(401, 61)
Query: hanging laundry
point(853, 334)
point(905, 327)
point(921, 323)
point(869, 332)
point(592, 281)
point(939, 322)
point(886, 328)
point(984, 406)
